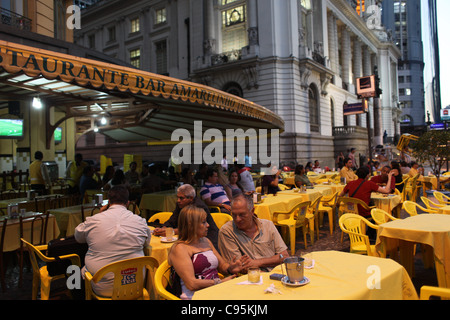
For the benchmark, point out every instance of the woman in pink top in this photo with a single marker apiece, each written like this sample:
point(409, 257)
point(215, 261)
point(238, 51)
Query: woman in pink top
point(193, 256)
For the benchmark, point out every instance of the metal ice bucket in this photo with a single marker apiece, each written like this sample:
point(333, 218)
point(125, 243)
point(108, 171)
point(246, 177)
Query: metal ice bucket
point(294, 267)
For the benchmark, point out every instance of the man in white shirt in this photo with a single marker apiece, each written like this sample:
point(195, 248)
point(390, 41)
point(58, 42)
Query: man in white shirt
point(246, 179)
point(112, 235)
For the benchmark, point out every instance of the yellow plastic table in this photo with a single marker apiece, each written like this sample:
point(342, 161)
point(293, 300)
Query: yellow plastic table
point(386, 202)
point(157, 249)
point(335, 276)
point(12, 235)
point(283, 201)
point(432, 230)
point(445, 210)
point(159, 201)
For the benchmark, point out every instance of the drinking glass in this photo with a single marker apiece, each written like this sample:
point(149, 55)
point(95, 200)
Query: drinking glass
point(253, 275)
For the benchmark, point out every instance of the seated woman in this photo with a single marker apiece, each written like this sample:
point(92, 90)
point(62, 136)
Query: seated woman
point(233, 187)
point(301, 179)
point(193, 256)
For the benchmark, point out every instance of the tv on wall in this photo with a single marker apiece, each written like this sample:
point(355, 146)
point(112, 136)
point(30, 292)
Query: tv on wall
point(11, 128)
point(58, 135)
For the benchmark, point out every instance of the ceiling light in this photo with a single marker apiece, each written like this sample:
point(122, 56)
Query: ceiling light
point(37, 103)
point(95, 129)
point(103, 121)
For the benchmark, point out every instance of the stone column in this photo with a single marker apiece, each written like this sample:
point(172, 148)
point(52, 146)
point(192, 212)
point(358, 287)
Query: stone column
point(332, 43)
point(357, 58)
point(209, 42)
point(367, 61)
point(346, 56)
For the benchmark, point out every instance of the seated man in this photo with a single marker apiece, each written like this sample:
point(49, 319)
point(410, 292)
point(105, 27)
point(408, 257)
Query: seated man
point(414, 169)
point(246, 179)
point(270, 181)
point(112, 235)
point(347, 171)
point(87, 181)
point(382, 179)
point(247, 236)
point(316, 167)
point(362, 189)
point(186, 195)
point(213, 193)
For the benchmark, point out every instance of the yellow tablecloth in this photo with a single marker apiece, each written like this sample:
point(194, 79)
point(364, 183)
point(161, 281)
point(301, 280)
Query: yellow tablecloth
point(12, 235)
point(429, 229)
point(290, 180)
point(68, 218)
point(159, 201)
point(157, 249)
point(283, 201)
point(445, 210)
point(336, 275)
point(387, 203)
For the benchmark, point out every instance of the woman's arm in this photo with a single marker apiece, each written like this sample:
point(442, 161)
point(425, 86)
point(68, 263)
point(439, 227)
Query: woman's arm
point(387, 188)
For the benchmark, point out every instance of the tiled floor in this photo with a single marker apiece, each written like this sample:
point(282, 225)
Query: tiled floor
point(325, 242)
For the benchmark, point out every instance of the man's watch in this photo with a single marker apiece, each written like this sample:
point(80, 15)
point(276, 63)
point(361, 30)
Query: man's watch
point(281, 257)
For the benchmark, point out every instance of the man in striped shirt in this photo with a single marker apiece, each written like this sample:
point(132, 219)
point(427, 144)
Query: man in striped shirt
point(213, 194)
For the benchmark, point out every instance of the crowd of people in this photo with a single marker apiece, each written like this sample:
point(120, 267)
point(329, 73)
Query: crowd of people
point(202, 250)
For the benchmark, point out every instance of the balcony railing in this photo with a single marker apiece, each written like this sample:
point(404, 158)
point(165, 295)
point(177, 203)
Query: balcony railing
point(15, 20)
point(226, 57)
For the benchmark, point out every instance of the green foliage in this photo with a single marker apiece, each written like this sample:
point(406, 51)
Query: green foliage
point(433, 148)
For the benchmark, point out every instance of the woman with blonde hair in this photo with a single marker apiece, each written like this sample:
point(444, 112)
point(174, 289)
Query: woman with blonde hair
point(193, 256)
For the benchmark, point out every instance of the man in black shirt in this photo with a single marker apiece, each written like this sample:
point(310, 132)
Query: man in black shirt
point(186, 195)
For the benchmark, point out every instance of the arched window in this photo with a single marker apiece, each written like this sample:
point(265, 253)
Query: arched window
point(233, 88)
point(406, 120)
point(313, 108)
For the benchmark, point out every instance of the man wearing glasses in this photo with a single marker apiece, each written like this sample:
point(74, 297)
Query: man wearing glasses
point(186, 195)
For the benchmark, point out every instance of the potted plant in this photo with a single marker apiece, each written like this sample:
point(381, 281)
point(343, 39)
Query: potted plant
point(433, 148)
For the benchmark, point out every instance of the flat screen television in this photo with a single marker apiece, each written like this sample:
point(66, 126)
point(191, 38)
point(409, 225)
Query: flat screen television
point(11, 128)
point(58, 135)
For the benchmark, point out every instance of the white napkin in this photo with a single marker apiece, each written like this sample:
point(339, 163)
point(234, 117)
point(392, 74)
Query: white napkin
point(248, 282)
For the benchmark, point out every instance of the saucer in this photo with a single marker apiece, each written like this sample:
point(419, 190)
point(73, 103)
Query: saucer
point(286, 282)
point(164, 239)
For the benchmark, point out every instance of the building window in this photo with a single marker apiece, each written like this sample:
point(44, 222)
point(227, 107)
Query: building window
point(234, 25)
point(160, 16)
point(401, 79)
point(135, 26)
point(313, 109)
point(161, 57)
point(407, 91)
point(135, 58)
point(91, 41)
point(112, 34)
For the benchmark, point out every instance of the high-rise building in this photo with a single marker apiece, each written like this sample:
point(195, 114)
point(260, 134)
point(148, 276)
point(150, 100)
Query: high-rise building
point(403, 20)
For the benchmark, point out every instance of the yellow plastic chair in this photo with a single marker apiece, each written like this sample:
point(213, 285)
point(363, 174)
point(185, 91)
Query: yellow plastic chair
point(283, 187)
point(313, 218)
point(380, 216)
point(355, 226)
point(296, 219)
point(442, 198)
point(162, 279)
point(161, 216)
point(328, 205)
point(221, 218)
point(214, 209)
point(129, 279)
point(430, 204)
point(411, 208)
point(40, 274)
point(428, 291)
point(350, 205)
point(411, 188)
